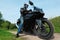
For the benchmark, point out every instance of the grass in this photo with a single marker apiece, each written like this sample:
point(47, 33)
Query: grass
point(56, 23)
point(5, 35)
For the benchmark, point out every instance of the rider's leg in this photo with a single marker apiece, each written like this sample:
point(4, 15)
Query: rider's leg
point(20, 26)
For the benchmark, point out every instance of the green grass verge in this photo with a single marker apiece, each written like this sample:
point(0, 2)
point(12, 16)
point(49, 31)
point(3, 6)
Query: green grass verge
point(5, 35)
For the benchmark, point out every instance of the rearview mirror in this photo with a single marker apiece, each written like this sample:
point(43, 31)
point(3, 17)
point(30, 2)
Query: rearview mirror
point(31, 3)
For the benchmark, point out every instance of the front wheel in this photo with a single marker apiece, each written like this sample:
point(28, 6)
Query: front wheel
point(45, 31)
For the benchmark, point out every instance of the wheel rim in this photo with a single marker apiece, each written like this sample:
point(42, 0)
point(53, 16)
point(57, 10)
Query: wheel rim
point(45, 30)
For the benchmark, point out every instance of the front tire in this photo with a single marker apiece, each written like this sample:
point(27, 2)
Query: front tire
point(41, 33)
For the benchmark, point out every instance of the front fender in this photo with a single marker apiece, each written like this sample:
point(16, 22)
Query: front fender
point(43, 19)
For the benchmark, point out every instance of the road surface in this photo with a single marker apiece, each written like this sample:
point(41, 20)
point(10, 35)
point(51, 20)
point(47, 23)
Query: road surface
point(32, 37)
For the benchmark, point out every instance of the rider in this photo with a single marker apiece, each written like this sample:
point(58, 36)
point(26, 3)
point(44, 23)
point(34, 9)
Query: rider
point(23, 12)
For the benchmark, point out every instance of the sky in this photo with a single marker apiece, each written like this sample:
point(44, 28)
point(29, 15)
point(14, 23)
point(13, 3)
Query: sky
point(10, 9)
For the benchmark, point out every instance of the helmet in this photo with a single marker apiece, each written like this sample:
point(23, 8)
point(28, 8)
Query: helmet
point(25, 5)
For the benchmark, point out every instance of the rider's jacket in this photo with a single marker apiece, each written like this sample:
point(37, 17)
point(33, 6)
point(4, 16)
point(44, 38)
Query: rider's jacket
point(23, 11)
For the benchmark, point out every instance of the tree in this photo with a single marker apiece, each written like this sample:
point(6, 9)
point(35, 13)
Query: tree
point(6, 24)
point(0, 15)
point(1, 19)
point(12, 26)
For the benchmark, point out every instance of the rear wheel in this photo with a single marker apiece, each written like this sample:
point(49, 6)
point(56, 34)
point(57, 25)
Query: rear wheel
point(45, 31)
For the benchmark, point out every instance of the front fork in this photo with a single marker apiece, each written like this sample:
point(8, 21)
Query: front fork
point(40, 23)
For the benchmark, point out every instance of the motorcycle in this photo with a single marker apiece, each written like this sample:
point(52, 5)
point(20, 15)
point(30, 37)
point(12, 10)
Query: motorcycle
point(37, 24)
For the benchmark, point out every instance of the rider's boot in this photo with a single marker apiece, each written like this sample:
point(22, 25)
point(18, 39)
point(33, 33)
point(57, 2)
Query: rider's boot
point(17, 35)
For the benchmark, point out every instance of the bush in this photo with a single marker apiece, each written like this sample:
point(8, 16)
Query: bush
point(12, 26)
point(56, 23)
point(8, 25)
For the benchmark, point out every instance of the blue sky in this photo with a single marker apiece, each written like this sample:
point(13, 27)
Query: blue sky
point(10, 8)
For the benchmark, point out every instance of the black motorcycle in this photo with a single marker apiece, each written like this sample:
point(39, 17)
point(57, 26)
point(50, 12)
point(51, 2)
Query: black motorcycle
point(35, 23)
